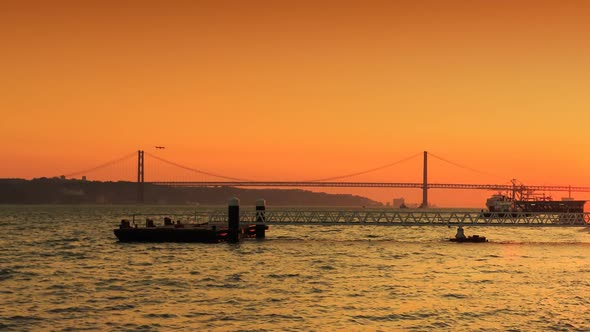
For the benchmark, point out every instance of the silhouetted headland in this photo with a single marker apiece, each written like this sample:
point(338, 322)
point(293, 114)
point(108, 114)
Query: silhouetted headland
point(60, 191)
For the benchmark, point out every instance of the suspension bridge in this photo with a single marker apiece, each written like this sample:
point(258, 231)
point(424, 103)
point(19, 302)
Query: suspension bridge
point(517, 190)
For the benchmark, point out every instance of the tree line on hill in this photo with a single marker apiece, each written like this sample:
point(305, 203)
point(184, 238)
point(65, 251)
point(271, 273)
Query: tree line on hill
point(64, 191)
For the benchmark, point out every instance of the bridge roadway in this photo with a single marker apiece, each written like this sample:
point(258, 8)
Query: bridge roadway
point(415, 185)
point(394, 217)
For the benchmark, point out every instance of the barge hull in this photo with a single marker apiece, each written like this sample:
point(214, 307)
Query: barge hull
point(169, 235)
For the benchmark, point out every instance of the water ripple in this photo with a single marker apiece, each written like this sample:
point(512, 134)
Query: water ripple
point(68, 272)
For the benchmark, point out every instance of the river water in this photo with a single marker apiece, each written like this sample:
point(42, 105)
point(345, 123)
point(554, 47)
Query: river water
point(61, 268)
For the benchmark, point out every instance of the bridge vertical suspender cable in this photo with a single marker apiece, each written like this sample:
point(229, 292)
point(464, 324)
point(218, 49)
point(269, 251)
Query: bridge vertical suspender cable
point(365, 171)
point(194, 169)
point(101, 166)
point(464, 167)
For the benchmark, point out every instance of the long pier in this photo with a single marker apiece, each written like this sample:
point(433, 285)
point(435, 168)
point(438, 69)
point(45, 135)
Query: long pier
point(232, 225)
point(378, 217)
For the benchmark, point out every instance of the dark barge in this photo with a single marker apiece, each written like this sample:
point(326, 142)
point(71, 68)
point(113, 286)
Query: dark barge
point(214, 232)
point(184, 232)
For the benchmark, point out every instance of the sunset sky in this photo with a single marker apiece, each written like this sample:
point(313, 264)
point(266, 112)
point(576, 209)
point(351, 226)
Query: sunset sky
point(299, 90)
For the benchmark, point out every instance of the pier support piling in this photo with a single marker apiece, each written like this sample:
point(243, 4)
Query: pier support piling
point(233, 219)
point(260, 218)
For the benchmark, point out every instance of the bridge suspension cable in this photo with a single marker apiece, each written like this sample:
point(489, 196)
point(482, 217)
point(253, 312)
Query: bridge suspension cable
point(109, 163)
point(365, 171)
point(193, 169)
point(464, 167)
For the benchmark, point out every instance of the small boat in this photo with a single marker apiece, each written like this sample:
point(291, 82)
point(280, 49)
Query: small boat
point(474, 238)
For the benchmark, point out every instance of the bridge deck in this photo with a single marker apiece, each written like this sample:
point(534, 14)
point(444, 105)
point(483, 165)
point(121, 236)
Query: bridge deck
point(415, 185)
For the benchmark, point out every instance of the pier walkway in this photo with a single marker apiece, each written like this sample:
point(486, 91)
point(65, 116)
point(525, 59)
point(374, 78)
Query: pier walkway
point(380, 217)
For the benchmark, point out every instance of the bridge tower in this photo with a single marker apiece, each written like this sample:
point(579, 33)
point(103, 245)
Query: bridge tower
point(425, 182)
point(140, 178)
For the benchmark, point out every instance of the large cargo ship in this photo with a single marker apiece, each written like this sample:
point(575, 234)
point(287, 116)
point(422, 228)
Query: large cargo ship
point(503, 203)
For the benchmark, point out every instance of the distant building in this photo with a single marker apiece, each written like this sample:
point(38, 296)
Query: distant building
point(84, 178)
point(399, 202)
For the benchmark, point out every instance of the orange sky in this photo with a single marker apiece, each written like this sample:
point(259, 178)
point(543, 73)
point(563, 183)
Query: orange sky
point(296, 90)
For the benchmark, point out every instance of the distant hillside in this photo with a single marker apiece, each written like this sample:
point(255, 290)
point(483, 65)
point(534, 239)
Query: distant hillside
point(59, 191)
